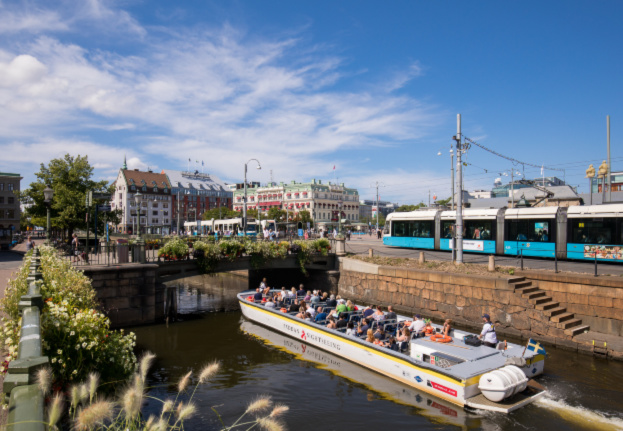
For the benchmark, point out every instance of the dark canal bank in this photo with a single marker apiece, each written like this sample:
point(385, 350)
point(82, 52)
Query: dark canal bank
point(325, 392)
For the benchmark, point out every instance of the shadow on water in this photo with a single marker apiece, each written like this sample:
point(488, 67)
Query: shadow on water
point(325, 392)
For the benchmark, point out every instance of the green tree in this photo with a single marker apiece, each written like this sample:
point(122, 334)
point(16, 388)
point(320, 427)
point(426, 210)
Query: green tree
point(222, 213)
point(408, 208)
point(305, 216)
point(70, 178)
point(444, 202)
point(276, 214)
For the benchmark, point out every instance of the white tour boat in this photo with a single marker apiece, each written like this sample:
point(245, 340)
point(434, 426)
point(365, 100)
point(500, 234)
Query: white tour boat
point(477, 377)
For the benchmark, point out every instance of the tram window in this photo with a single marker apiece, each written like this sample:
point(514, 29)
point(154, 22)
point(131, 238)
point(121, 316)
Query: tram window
point(447, 229)
point(530, 230)
point(478, 229)
point(594, 231)
point(414, 229)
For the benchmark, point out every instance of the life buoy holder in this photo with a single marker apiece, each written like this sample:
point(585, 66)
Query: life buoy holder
point(440, 338)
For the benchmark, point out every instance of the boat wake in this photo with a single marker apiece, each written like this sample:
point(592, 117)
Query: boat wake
point(590, 419)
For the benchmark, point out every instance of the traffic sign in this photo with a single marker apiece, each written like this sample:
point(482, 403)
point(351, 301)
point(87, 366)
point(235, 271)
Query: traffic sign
point(101, 196)
point(103, 208)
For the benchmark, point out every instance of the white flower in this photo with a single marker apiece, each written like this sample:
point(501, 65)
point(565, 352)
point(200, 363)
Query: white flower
point(59, 351)
point(84, 345)
point(75, 372)
point(54, 360)
point(72, 333)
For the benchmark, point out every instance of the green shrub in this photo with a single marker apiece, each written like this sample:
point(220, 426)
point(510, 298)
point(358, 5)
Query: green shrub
point(76, 336)
point(175, 249)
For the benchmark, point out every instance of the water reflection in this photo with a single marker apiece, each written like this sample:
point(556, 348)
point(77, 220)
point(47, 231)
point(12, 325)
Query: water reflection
point(208, 293)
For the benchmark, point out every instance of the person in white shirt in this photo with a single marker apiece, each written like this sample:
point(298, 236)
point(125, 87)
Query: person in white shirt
point(417, 326)
point(488, 335)
point(311, 310)
point(265, 233)
point(269, 303)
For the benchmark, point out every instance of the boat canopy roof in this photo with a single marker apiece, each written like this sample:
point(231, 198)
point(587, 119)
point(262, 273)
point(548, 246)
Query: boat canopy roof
point(609, 210)
point(413, 215)
point(472, 214)
point(525, 213)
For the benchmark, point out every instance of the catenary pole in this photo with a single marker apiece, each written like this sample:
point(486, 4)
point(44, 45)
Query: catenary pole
point(609, 168)
point(452, 170)
point(459, 203)
point(377, 206)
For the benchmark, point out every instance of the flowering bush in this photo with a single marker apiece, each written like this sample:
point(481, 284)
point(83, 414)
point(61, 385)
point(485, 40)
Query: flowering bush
point(75, 335)
point(207, 255)
point(261, 251)
point(176, 248)
point(231, 248)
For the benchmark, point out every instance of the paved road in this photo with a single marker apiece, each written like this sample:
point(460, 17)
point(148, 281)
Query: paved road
point(362, 244)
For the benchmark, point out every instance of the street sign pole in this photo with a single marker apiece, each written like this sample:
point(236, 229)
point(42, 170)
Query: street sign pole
point(95, 226)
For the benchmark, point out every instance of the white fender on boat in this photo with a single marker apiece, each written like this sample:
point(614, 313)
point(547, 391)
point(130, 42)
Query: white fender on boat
point(500, 384)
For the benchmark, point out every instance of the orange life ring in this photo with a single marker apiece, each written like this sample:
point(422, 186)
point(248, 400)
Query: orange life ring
point(264, 300)
point(284, 310)
point(440, 338)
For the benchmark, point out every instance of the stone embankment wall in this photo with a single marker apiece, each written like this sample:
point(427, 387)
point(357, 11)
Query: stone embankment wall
point(128, 293)
point(465, 298)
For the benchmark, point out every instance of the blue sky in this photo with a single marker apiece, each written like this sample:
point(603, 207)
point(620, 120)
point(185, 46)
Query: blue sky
point(372, 88)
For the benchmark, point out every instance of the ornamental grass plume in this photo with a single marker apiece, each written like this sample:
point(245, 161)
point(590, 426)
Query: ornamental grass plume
point(270, 424)
point(184, 381)
point(186, 411)
point(131, 402)
point(209, 371)
point(167, 407)
point(94, 415)
point(55, 411)
point(44, 379)
point(145, 364)
point(262, 403)
point(278, 410)
point(84, 392)
point(93, 384)
point(74, 396)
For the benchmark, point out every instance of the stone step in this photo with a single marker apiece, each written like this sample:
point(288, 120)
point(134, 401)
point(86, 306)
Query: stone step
point(514, 280)
point(554, 310)
point(577, 330)
point(562, 317)
point(567, 324)
point(522, 284)
point(539, 300)
point(527, 289)
point(531, 295)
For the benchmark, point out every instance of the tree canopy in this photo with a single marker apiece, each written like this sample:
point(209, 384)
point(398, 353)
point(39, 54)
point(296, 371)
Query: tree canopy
point(70, 177)
point(222, 213)
point(407, 208)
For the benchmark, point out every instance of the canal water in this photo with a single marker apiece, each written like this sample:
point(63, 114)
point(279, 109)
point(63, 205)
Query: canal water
point(325, 392)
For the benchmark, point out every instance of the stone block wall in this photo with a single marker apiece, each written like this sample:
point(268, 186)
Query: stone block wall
point(598, 301)
point(128, 293)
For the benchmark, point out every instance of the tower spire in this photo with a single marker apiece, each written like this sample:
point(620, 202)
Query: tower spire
point(125, 165)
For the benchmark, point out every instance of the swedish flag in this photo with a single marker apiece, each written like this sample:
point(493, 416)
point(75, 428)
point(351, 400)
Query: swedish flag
point(536, 347)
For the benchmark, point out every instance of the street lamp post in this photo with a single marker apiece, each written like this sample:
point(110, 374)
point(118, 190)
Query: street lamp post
point(138, 198)
point(48, 193)
point(452, 172)
point(244, 206)
point(340, 203)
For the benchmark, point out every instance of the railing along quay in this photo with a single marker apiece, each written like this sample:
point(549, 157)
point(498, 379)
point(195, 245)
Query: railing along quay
point(26, 401)
point(108, 254)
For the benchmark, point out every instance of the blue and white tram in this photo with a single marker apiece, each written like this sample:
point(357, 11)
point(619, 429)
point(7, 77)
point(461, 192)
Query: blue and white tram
point(479, 230)
point(595, 231)
point(415, 229)
point(229, 227)
point(532, 231)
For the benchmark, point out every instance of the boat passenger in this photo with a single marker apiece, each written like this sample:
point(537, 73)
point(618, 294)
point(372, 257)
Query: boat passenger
point(331, 324)
point(269, 303)
point(258, 295)
point(320, 315)
point(325, 296)
point(350, 306)
point(350, 329)
point(417, 326)
point(284, 293)
point(363, 326)
point(488, 332)
point(341, 323)
point(308, 317)
point(332, 302)
point(263, 286)
point(391, 343)
point(404, 337)
point(311, 310)
point(301, 291)
point(315, 298)
point(292, 293)
point(341, 306)
point(428, 329)
point(391, 314)
point(370, 336)
point(378, 314)
point(294, 306)
point(447, 327)
point(308, 296)
point(380, 333)
point(368, 311)
point(301, 313)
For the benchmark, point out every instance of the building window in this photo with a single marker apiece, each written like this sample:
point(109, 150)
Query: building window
point(154, 221)
point(155, 205)
point(10, 200)
point(165, 205)
point(155, 213)
point(10, 214)
point(10, 185)
point(144, 188)
point(1, 199)
point(132, 187)
point(1, 214)
point(166, 220)
point(166, 213)
point(1, 187)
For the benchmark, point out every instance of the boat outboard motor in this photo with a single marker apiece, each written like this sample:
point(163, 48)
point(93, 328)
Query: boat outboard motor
point(500, 384)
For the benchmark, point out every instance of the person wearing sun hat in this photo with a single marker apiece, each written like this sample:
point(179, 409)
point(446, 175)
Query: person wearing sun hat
point(488, 336)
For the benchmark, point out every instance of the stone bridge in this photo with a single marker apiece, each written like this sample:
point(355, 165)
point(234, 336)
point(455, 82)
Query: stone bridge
point(135, 294)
